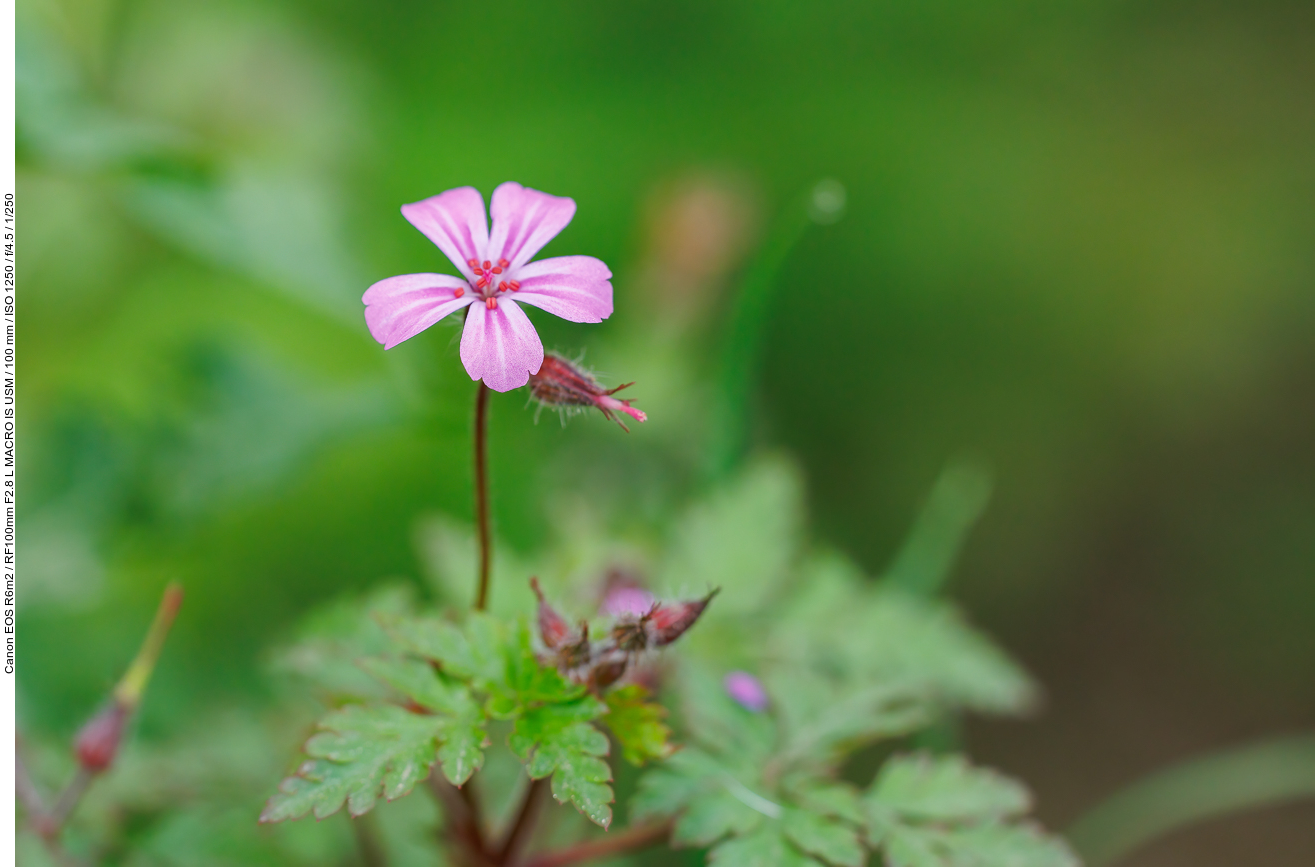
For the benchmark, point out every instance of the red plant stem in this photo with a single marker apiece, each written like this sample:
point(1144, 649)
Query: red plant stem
point(628, 840)
point(462, 821)
point(482, 493)
point(523, 824)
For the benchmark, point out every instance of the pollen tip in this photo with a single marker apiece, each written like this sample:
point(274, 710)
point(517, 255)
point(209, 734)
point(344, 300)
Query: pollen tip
point(504, 263)
point(474, 263)
point(458, 292)
point(491, 303)
point(514, 285)
point(487, 264)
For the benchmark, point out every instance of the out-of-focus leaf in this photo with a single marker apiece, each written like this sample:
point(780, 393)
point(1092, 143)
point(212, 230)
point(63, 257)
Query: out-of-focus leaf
point(473, 653)
point(742, 539)
point(928, 811)
point(360, 754)
point(711, 816)
point(766, 847)
point(832, 841)
point(946, 789)
point(637, 723)
point(333, 638)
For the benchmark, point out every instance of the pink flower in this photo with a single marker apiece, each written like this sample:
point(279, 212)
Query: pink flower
point(498, 345)
point(747, 691)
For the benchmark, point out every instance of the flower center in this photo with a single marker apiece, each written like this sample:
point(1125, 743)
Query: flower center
point(490, 280)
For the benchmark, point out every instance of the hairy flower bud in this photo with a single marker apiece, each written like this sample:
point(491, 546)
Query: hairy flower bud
point(553, 628)
point(666, 623)
point(568, 387)
point(98, 741)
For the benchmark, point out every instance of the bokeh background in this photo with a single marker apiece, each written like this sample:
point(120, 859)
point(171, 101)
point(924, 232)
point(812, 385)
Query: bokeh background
point(1078, 245)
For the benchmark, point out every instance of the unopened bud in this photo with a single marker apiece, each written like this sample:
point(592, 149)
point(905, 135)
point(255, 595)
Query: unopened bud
point(98, 741)
point(568, 387)
point(666, 623)
point(553, 628)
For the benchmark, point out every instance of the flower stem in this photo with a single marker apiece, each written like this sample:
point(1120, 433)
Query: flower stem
point(639, 837)
point(523, 824)
point(482, 493)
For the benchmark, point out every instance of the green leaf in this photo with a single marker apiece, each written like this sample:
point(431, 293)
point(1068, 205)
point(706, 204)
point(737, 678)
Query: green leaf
point(637, 724)
point(1010, 846)
point(741, 539)
point(558, 740)
point(711, 816)
point(945, 789)
point(832, 841)
point(988, 845)
point(828, 798)
point(419, 682)
point(766, 847)
point(331, 639)
point(359, 754)
point(472, 653)
point(462, 720)
point(663, 791)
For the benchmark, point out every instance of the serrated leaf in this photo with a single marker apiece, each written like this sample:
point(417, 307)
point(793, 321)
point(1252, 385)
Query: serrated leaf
point(462, 720)
point(637, 724)
point(925, 788)
point(558, 740)
point(711, 816)
point(766, 847)
point(832, 841)
point(359, 754)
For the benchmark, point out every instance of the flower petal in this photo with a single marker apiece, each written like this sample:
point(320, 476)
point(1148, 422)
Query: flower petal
point(572, 287)
point(524, 220)
point(500, 346)
point(401, 307)
point(455, 221)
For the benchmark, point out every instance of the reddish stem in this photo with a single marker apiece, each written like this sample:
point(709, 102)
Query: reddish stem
point(639, 837)
point(523, 824)
point(482, 493)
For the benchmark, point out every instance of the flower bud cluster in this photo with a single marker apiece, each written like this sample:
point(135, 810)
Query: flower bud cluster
point(599, 664)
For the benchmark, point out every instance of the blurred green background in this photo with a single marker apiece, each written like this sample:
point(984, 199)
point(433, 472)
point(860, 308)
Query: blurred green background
point(1079, 245)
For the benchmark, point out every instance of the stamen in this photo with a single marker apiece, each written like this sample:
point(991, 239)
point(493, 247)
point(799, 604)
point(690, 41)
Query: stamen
point(504, 263)
point(481, 283)
point(474, 263)
point(487, 264)
point(491, 303)
point(497, 269)
point(502, 285)
point(514, 285)
point(458, 292)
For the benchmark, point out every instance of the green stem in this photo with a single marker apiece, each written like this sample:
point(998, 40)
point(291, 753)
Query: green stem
point(746, 332)
point(482, 494)
point(1260, 775)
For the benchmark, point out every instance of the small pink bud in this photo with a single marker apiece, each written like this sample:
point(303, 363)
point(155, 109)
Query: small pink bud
point(747, 691)
point(98, 741)
point(553, 628)
point(566, 386)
